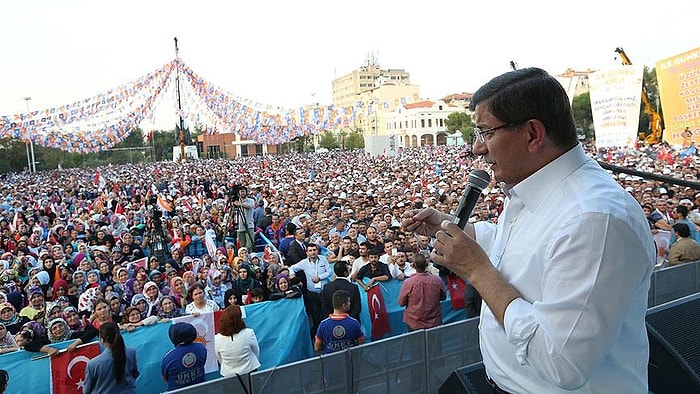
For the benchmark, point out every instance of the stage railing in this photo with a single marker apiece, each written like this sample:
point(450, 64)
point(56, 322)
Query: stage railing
point(672, 283)
point(416, 362)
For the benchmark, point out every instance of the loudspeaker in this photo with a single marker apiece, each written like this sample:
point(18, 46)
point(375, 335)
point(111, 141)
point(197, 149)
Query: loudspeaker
point(468, 380)
point(674, 346)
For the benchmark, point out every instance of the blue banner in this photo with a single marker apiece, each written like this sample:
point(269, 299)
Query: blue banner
point(390, 291)
point(281, 327)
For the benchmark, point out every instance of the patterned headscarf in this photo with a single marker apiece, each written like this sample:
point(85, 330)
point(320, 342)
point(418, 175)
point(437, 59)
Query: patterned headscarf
point(66, 334)
point(87, 299)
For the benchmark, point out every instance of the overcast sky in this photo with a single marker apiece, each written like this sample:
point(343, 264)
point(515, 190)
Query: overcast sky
point(286, 53)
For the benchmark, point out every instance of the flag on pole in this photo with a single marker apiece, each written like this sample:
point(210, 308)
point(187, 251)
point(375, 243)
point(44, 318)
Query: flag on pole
point(456, 286)
point(377, 312)
point(132, 266)
point(68, 369)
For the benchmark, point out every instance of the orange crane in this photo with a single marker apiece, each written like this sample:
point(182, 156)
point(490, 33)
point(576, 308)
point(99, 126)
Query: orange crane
point(655, 121)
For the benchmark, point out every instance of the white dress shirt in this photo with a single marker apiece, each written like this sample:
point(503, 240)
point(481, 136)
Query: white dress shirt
point(578, 249)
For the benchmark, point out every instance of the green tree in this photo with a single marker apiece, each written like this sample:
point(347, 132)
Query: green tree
point(355, 140)
point(14, 155)
point(583, 115)
point(461, 121)
point(329, 141)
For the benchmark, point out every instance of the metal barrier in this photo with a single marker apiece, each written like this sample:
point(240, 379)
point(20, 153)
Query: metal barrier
point(416, 362)
point(672, 283)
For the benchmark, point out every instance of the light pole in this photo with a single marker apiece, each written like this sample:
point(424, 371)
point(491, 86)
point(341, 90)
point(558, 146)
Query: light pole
point(30, 161)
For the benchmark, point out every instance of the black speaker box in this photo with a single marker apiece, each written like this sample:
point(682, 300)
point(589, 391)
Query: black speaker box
point(468, 380)
point(674, 346)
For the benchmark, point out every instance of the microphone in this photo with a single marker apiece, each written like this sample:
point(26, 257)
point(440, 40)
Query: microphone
point(478, 180)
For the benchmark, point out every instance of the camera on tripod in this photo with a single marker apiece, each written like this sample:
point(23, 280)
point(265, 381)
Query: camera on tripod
point(156, 214)
point(234, 192)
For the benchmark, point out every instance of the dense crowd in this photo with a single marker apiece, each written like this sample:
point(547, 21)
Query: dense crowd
point(139, 244)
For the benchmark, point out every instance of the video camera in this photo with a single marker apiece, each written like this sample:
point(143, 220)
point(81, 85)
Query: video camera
point(234, 191)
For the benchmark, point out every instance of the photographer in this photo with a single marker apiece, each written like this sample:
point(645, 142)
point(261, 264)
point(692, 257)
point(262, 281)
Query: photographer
point(243, 206)
point(156, 238)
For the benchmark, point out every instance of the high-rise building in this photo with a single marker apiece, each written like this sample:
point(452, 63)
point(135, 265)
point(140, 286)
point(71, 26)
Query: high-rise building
point(348, 88)
point(379, 92)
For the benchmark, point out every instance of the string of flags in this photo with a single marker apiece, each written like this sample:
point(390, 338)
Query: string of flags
point(102, 121)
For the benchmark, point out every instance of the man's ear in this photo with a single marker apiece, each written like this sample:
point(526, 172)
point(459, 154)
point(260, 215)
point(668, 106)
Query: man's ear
point(536, 134)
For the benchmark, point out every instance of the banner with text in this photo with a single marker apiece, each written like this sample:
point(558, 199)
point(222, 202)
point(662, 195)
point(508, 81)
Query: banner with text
point(615, 100)
point(679, 89)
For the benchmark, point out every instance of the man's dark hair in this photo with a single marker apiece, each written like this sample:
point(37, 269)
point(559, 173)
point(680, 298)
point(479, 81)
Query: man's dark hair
point(683, 210)
point(530, 93)
point(341, 269)
point(339, 298)
point(682, 229)
point(420, 263)
point(290, 228)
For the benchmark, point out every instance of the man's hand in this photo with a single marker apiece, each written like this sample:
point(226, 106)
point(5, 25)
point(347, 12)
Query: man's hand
point(424, 221)
point(454, 249)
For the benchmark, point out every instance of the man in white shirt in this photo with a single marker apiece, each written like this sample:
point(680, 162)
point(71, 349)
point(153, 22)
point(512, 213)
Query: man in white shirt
point(317, 271)
point(399, 267)
point(360, 261)
point(566, 272)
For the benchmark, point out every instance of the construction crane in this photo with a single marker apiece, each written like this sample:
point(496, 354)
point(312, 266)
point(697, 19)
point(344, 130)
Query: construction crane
point(655, 121)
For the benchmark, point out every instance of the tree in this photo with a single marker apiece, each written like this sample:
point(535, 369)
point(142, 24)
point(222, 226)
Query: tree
point(461, 121)
point(328, 141)
point(583, 115)
point(355, 140)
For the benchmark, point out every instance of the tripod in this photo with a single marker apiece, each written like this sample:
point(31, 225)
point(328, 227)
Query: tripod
point(237, 221)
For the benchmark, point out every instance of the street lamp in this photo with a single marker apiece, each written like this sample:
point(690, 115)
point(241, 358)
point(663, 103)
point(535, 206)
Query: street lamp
point(30, 161)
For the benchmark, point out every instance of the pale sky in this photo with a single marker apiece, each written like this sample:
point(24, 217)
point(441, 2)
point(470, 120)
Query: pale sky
point(286, 53)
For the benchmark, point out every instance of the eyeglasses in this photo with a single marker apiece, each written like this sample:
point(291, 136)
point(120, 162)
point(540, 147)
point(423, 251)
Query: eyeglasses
point(480, 134)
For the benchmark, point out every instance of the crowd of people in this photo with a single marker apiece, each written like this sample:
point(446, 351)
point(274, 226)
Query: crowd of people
point(140, 244)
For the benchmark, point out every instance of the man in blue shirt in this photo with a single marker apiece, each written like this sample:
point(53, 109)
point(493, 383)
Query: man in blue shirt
point(339, 331)
point(184, 365)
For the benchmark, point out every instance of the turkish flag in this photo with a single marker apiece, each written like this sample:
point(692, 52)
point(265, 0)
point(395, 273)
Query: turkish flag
point(377, 312)
point(456, 285)
point(68, 369)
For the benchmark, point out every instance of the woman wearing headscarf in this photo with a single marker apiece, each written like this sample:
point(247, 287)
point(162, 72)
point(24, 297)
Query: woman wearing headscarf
point(139, 301)
point(168, 308)
point(153, 295)
point(283, 289)
point(178, 291)
point(75, 323)
point(58, 330)
point(86, 301)
point(7, 340)
point(244, 283)
point(60, 288)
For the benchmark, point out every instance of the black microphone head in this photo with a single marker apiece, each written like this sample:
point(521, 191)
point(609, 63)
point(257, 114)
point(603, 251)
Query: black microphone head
point(478, 179)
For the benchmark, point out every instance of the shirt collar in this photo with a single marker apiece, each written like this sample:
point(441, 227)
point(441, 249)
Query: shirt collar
point(535, 188)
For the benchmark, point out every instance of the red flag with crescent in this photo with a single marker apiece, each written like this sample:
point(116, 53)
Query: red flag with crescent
point(456, 286)
point(377, 311)
point(68, 369)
